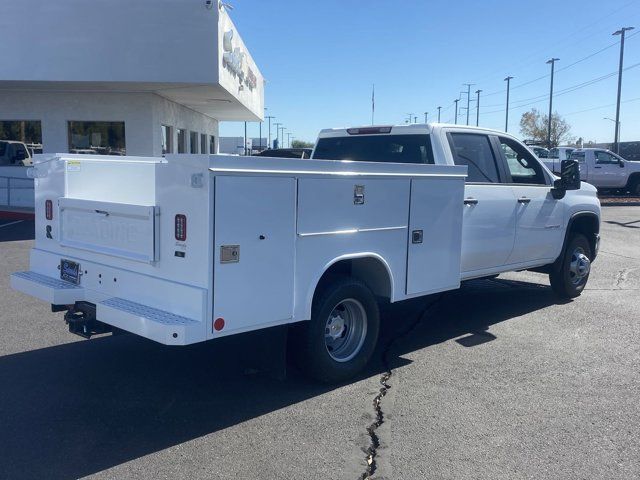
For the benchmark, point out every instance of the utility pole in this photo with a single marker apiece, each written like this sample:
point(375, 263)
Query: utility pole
point(282, 129)
point(468, 98)
point(415, 119)
point(269, 141)
point(245, 138)
point(277, 124)
point(478, 108)
point(289, 139)
point(552, 61)
point(426, 116)
point(439, 108)
point(410, 115)
point(506, 120)
point(616, 139)
point(456, 117)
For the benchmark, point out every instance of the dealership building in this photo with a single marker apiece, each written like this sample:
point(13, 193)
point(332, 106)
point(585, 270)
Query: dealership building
point(143, 77)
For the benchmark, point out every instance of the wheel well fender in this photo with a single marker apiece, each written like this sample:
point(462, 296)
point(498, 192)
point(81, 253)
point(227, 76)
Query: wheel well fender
point(370, 268)
point(586, 223)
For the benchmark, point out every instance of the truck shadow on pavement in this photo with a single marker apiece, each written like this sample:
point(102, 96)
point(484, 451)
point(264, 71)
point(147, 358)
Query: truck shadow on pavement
point(80, 408)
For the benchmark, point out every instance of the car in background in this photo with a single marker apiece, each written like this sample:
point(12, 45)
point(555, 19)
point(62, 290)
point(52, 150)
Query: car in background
point(556, 155)
point(540, 152)
point(286, 153)
point(14, 153)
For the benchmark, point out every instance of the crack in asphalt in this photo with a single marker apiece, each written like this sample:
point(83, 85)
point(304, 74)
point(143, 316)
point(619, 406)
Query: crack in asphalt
point(374, 439)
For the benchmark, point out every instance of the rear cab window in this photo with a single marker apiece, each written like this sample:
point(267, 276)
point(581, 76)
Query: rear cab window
point(415, 148)
point(579, 156)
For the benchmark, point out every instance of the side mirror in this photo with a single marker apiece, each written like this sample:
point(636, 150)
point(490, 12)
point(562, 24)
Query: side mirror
point(569, 178)
point(621, 162)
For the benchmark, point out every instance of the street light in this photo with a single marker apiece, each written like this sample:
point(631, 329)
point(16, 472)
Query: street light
point(439, 108)
point(456, 117)
point(269, 142)
point(552, 62)
point(616, 139)
point(506, 120)
point(277, 124)
point(478, 108)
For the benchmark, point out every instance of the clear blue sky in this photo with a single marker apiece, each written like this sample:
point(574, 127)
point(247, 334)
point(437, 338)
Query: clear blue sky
point(321, 58)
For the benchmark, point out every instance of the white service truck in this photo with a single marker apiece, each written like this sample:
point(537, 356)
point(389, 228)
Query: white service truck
point(607, 171)
point(190, 248)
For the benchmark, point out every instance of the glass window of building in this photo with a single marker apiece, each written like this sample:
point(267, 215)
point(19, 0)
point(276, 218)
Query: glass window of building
point(193, 142)
point(182, 140)
point(212, 144)
point(28, 132)
point(203, 143)
point(165, 131)
point(97, 138)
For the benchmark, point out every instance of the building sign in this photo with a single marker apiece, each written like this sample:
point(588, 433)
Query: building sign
point(233, 59)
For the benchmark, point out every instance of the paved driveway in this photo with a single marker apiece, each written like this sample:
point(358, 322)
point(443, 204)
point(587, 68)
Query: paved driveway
point(496, 380)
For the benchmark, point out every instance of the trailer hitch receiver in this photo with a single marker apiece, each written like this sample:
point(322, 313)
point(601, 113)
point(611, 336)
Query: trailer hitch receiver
point(81, 319)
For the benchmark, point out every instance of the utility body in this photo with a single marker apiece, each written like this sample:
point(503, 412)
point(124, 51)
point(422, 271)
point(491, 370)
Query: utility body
point(190, 248)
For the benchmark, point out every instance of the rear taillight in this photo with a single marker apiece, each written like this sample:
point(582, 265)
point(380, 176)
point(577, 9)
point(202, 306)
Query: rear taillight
point(48, 209)
point(368, 130)
point(181, 227)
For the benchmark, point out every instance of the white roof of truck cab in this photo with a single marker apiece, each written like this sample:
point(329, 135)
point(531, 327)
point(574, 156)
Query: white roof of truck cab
point(405, 129)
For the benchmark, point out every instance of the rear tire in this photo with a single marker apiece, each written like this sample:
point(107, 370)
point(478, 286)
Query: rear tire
point(635, 187)
point(570, 278)
point(338, 341)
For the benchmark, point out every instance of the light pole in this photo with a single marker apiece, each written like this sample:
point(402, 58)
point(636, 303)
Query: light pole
point(618, 126)
point(415, 119)
point(468, 98)
point(439, 108)
point(269, 142)
point(616, 139)
point(410, 115)
point(426, 116)
point(551, 61)
point(456, 117)
point(506, 120)
point(478, 108)
point(277, 124)
point(245, 138)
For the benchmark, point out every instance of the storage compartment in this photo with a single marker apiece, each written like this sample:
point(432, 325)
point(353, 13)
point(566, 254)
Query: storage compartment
point(121, 230)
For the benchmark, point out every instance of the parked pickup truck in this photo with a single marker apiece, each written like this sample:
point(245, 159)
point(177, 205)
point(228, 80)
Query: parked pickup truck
point(14, 153)
point(190, 248)
point(604, 169)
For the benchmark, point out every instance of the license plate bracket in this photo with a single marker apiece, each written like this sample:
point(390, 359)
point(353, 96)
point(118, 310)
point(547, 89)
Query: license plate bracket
point(70, 271)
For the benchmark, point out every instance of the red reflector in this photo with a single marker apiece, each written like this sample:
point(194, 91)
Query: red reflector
point(48, 209)
point(218, 324)
point(181, 227)
point(368, 130)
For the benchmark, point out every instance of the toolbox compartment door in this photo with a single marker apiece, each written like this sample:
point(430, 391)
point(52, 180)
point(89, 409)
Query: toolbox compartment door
point(435, 235)
point(255, 221)
point(118, 229)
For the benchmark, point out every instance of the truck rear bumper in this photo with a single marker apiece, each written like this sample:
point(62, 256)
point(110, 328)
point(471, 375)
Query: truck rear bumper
point(149, 322)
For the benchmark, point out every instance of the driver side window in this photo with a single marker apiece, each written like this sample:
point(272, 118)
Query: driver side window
point(521, 163)
point(605, 158)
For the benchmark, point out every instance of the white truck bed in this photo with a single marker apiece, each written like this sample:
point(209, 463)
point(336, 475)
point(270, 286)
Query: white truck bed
point(260, 233)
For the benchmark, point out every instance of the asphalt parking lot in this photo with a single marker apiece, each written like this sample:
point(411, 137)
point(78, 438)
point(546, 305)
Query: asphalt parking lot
point(496, 380)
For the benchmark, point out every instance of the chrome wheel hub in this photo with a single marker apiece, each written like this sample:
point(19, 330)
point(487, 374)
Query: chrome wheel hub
point(345, 330)
point(579, 267)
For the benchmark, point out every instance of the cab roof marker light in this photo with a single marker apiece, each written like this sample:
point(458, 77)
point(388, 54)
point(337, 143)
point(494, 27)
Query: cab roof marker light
point(368, 130)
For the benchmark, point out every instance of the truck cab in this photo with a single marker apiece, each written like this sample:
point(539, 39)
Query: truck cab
point(14, 153)
point(606, 170)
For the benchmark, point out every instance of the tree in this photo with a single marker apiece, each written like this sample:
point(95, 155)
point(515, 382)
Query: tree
point(534, 126)
point(301, 144)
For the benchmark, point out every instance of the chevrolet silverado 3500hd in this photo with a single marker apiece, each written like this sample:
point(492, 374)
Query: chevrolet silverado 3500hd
point(194, 247)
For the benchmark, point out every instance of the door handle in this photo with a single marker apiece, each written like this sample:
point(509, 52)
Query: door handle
point(595, 166)
point(524, 200)
point(470, 201)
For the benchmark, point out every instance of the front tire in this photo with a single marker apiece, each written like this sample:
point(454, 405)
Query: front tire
point(338, 341)
point(570, 277)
